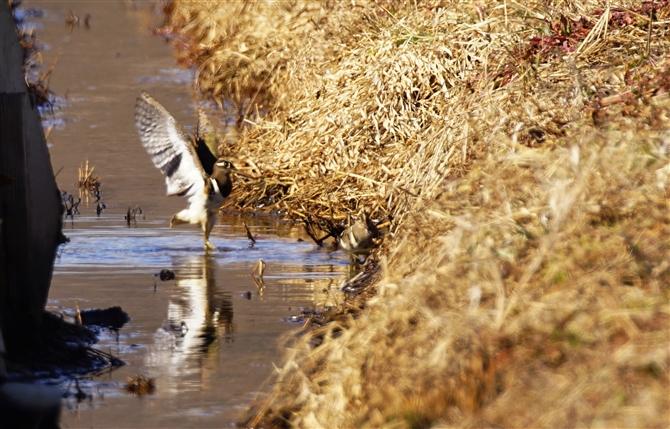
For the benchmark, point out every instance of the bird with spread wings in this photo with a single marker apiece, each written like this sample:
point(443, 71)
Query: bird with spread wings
point(190, 167)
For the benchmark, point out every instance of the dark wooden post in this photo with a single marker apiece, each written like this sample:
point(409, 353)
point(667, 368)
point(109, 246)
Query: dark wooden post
point(30, 206)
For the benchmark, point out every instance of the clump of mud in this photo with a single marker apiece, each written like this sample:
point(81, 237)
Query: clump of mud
point(60, 348)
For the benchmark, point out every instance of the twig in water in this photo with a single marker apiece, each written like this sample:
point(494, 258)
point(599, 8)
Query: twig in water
point(249, 235)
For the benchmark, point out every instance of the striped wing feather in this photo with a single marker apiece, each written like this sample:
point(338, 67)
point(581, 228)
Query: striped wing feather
point(169, 147)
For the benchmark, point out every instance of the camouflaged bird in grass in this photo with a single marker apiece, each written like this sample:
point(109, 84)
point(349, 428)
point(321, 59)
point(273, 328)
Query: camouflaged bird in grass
point(190, 166)
point(361, 237)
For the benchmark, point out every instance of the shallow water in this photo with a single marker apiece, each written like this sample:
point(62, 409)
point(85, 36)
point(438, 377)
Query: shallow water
point(208, 374)
point(209, 371)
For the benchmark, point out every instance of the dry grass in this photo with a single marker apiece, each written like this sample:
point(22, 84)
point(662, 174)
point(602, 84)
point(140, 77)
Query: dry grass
point(539, 299)
point(522, 151)
point(240, 48)
point(369, 109)
point(88, 184)
point(37, 80)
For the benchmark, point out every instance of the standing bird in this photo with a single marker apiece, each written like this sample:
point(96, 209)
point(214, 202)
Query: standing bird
point(361, 237)
point(190, 167)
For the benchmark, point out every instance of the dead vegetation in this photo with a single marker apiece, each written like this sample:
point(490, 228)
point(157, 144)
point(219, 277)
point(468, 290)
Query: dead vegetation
point(88, 184)
point(140, 385)
point(522, 153)
point(532, 293)
point(366, 108)
point(37, 80)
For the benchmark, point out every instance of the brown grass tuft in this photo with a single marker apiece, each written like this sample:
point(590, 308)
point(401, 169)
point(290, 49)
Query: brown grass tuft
point(88, 183)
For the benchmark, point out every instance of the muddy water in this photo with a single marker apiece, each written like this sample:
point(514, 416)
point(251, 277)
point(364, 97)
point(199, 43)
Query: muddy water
point(207, 372)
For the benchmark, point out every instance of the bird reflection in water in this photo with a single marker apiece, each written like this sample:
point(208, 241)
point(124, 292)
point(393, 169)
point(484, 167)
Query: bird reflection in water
point(199, 318)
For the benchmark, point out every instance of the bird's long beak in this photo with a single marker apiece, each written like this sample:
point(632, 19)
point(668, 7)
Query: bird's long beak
point(243, 174)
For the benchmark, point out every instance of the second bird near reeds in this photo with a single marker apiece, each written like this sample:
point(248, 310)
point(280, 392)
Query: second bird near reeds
point(361, 237)
point(190, 166)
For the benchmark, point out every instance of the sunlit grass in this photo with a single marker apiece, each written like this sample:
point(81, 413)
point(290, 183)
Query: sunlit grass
point(522, 153)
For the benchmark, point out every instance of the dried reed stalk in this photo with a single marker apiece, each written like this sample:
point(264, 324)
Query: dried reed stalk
point(87, 182)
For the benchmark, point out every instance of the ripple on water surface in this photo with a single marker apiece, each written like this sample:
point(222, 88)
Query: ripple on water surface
point(150, 246)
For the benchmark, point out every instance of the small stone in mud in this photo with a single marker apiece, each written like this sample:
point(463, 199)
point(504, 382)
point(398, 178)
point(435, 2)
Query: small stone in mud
point(140, 385)
point(166, 275)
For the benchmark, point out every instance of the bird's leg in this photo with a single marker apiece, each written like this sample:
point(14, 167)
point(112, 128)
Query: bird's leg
point(208, 245)
point(207, 227)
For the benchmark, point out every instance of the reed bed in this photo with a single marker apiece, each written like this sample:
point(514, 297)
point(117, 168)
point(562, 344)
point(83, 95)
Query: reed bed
point(522, 153)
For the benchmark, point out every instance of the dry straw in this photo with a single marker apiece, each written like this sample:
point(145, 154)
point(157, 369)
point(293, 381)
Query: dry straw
point(522, 151)
point(532, 293)
point(373, 105)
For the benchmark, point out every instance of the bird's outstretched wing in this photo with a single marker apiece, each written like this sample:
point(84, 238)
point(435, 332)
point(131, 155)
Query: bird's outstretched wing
point(169, 147)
